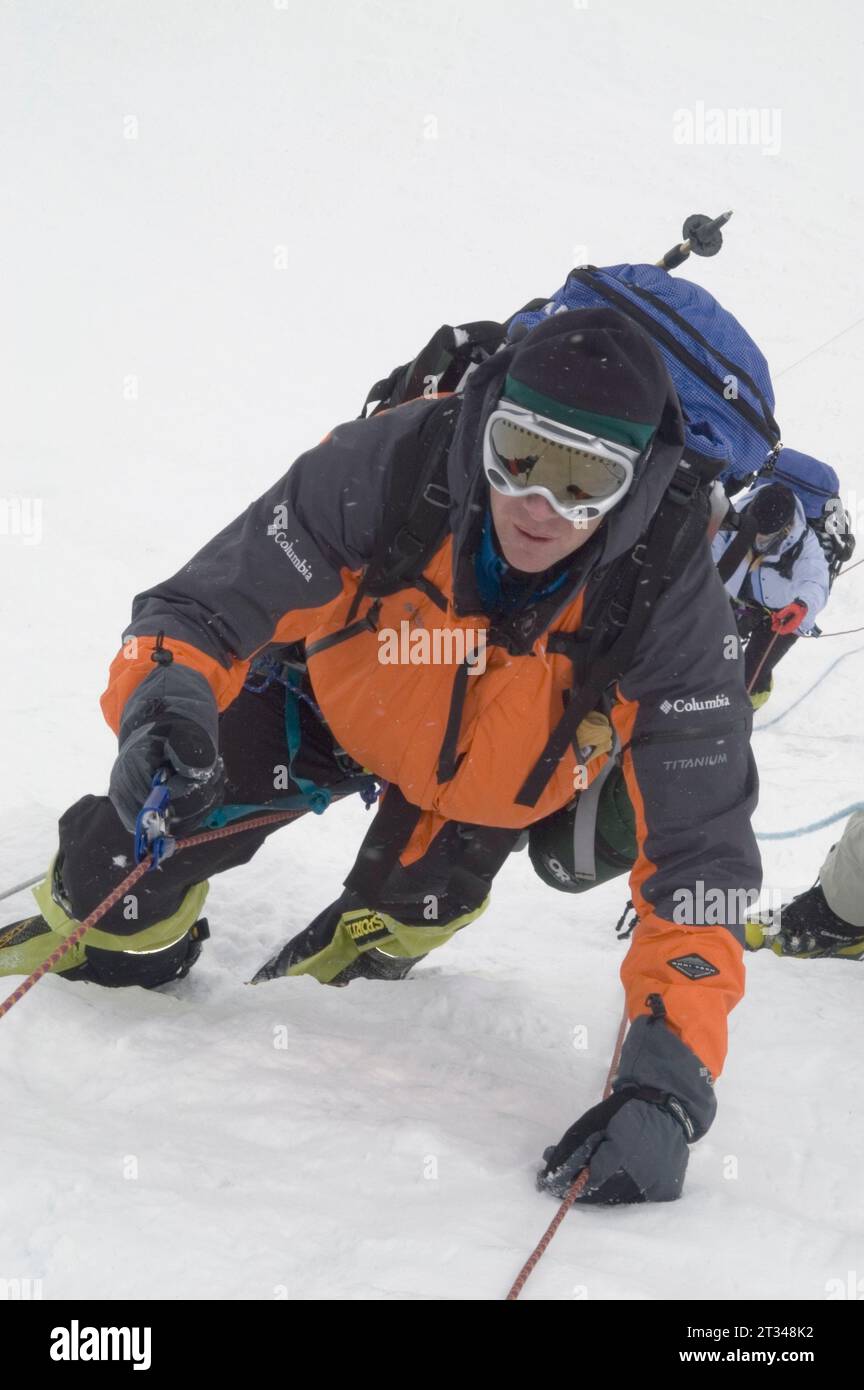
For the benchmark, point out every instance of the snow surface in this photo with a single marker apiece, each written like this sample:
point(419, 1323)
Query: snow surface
point(312, 190)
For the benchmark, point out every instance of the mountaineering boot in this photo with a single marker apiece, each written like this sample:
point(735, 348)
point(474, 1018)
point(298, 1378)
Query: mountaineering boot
point(376, 965)
point(326, 951)
point(371, 965)
point(759, 697)
point(348, 941)
point(26, 944)
point(807, 928)
point(154, 955)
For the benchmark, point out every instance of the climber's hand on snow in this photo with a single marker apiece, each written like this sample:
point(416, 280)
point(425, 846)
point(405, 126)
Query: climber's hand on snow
point(634, 1145)
point(196, 778)
point(787, 620)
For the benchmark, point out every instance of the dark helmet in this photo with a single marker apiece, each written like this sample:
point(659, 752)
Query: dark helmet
point(773, 508)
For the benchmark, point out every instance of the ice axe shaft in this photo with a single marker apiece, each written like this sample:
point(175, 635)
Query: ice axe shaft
point(701, 237)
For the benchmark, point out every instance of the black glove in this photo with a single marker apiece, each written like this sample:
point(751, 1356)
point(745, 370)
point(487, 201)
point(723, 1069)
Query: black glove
point(635, 1143)
point(196, 781)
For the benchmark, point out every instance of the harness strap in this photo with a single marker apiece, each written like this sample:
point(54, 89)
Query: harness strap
point(786, 563)
point(447, 760)
point(419, 500)
point(585, 823)
point(739, 548)
point(668, 549)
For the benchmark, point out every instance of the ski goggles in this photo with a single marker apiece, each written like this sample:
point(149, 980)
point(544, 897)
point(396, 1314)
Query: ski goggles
point(581, 475)
point(766, 541)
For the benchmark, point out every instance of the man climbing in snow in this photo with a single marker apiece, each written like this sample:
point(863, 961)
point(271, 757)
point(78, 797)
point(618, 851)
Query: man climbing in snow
point(827, 920)
point(776, 574)
point(570, 560)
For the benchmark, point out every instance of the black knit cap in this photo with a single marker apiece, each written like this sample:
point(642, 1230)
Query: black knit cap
point(594, 369)
point(773, 508)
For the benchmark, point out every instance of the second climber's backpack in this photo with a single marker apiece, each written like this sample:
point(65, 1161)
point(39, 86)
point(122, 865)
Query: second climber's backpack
point(817, 487)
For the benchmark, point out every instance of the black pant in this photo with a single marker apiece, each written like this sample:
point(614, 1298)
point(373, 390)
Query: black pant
point(754, 628)
point(97, 852)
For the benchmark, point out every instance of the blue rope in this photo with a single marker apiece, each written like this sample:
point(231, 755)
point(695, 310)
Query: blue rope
point(223, 815)
point(826, 820)
point(317, 798)
point(796, 703)
point(808, 829)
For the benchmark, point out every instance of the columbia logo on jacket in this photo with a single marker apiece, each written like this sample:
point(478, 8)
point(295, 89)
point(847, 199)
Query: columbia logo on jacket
point(692, 705)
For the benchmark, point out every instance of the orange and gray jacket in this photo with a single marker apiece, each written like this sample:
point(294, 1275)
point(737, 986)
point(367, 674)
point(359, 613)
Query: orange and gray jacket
point(289, 569)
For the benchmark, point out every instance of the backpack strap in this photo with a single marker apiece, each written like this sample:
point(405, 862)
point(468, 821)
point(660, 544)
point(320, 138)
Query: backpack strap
point(418, 507)
point(746, 532)
point(439, 366)
point(785, 565)
point(678, 528)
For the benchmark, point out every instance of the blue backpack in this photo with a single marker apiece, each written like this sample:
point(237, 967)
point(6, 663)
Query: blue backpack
point(818, 487)
point(815, 483)
point(721, 377)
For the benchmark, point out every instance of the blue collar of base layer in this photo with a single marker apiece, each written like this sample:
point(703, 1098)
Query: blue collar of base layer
point(502, 589)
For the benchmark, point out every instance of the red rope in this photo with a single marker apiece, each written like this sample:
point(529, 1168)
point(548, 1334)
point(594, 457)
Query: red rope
point(191, 840)
point(576, 1186)
point(116, 894)
point(616, 1055)
point(540, 1248)
point(765, 657)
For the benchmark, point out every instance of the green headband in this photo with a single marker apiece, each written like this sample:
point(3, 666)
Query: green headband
point(607, 426)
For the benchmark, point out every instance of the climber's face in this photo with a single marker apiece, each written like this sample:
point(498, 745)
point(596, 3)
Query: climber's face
point(532, 535)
